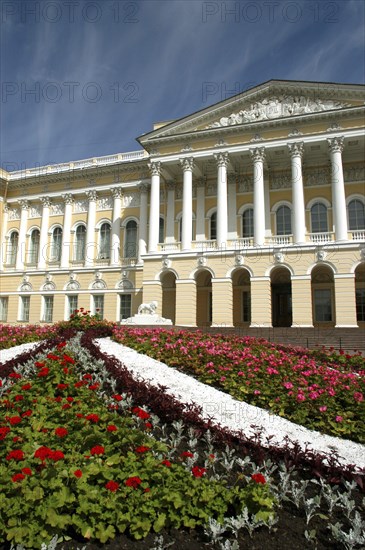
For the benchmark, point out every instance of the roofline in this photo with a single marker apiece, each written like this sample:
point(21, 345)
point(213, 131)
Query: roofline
point(262, 85)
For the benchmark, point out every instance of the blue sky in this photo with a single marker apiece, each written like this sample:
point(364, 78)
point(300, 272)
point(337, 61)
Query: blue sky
point(84, 78)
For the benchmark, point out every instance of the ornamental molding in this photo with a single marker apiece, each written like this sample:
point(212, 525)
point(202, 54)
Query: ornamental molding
point(24, 204)
point(320, 255)
point(68, 198)
point(257, 154)
point(35, 211)
point(125, 284)
point(57, 209)
point(336, 144)
point(296, 149)
point(280, 180)
point(354, 173)
point(187, 164)
point(277, 107)
point(14, 213)
point(81, 206)
point(222, 160)
point(117, 192)
point(131, 200)
point(48, 286)
point(105, 203)
point(245, 184)
point(155, 168)
point(46, 202)
point(166, 263)
point(92, 196)
point(317, 176)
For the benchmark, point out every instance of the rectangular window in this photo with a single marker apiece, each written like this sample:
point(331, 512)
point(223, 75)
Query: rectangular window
point(24, 308)
point(323, 305)
point(246, 307)
point(360, 304)
point(72, 304)
point(99, 305)
point(47, 309)
point(4, 300)
point(125, 306)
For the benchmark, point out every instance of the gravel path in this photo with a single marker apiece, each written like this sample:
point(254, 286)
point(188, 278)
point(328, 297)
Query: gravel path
point(226, 411)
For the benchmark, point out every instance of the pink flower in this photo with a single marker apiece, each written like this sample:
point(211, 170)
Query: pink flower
point(358, 396)
point(288, 385)
point(339, 418)
point(323, 408)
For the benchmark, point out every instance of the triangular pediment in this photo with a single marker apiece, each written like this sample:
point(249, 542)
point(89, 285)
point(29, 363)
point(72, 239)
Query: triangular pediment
point(270, 101)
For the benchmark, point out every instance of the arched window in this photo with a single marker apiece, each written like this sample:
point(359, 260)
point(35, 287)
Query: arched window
point(56, 244)
point(130, 246)
point(161, 233)
point(12, 248)
point(34, 246)
point(356, 215)
point(283, 220)
point(104, 249)
point(80, 243)
point(247, 223)
point(319, 222)
point(213, 226)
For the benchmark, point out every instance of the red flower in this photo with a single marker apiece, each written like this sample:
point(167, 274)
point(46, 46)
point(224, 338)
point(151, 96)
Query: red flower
point(78, 384)
point(56, 455)
point(92, 417)
point(43, 453)
point(69, 399)
point(258, 478)
point(17, 454)
point(148, 425)
point(87, 377)
point(27, 413)
point(94, 386)
point(166, 463)
point(16, 439)
point(187, 454)
point(117, 397)
point(26, 387)
point(78, 473)
point(15, 420)
point(197, 471)
point(141, 413)
point(61, 345)
point(43, 372)
point(18, 477)
point(66, 406)
point(133, 482)
point(58, 399)
point(53, 356)
point(61, 432)
point(142, 449)
point(15, 375)
point(112, 486)
point(62, 386)
point(19, 397)
point(97, 450)
point(39, 364)
point(112, 428)
point(69, 359)
point(65, 370)
point(3, 432)
point(79, 415)
point(27, 471)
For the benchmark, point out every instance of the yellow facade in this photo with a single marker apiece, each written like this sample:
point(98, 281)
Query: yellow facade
point(247, 213)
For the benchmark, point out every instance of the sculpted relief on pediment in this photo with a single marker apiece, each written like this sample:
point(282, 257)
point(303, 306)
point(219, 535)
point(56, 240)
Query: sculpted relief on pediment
point(276, 107)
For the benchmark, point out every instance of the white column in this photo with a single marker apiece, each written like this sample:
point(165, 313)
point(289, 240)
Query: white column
point(267, 206)
point(200, 210)
point(232, 208)
point(43, 238)
point(3, 247)
point(170, 214)
point(187, 209)
point(115, 240)
point(258, 156)
point(338, 189)
point(155, 168)
point(296, 154)
point(143, 213)
point(20, 257)
point(90, 228)
point(222, 200)
point(66, 231)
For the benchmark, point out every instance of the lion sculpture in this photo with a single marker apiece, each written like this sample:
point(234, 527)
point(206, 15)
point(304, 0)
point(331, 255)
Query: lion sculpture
point(150, 308)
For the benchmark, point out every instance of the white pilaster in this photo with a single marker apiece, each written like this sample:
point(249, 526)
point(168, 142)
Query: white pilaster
point(200, 210)
point(90, 228)
point(187, 210)
point(24, 205)
point(170, 214)
point(66, 233)
point(338, 189)
point(296, 154)
point(155, 168)
point(143, 213)
point(115, 240)
point(232, 207)
point(258, 157)
point(222, 200)
point(43, 238)
point(4, 229)
point(267, 206)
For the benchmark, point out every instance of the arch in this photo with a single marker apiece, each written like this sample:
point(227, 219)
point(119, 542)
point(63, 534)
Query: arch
point(281, 296)
point(323, 295)
point(124, 285)
point(160, 273)
point(194, 273)
point(230, 272)
point(126, 220)
point(283, 220)
point(204, 298)
point(77, 224)
point(322, 200)
point(278, 204)
point(168, 284)
point(271, 268)
point(324, 263)
point(32, 228)
point(244, 207)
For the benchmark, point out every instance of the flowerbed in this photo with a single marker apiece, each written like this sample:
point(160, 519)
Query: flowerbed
point(11, 335)
point(316, 392)
point(77, 457)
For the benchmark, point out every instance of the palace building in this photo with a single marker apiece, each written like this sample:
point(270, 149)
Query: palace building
point(247, 213)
